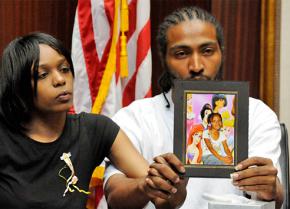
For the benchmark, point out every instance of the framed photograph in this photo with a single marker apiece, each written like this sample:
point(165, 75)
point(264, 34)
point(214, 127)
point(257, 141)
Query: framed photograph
point(210, 126)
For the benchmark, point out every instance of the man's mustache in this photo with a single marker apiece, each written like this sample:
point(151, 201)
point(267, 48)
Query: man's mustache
point(198, 76)
point(195, 76)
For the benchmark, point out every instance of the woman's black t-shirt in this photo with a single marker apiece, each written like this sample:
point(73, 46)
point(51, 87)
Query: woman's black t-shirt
point(29, 170)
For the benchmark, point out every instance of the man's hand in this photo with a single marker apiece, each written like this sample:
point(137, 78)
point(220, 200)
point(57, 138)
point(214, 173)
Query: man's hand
point(258, 175)
point(167, 188)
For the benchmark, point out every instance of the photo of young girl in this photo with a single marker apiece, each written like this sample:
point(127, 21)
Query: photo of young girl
point(215, 147)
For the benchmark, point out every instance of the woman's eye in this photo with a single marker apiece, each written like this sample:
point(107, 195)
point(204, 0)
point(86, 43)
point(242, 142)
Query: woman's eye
point(42, 75)
point(65, 69)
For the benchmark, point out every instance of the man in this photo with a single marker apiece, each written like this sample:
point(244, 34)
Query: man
point(191, 47)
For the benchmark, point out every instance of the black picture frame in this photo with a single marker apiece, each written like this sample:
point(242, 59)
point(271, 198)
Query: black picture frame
point(203, 146)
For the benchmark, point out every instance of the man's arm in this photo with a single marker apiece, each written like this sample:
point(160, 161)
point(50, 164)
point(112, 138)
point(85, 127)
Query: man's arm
point(257, 174)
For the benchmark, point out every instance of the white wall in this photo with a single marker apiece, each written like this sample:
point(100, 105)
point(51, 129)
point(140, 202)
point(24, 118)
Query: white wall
point(284, 114)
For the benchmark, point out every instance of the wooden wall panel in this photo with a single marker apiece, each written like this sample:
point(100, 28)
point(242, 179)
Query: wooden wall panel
point(18, 17)
point(269, 59)
point(241, 21)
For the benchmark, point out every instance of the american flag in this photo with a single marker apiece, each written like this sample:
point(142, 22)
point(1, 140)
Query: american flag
point(93, 36)
point(96, 46)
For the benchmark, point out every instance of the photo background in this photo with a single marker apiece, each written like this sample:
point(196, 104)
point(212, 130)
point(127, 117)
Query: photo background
point(194, 106)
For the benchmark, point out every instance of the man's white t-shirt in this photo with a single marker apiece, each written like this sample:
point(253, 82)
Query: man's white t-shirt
point(149, 125)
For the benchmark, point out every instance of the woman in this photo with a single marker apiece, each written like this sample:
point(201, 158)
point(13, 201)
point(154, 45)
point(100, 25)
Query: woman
point(216, 150)
point(47, 156)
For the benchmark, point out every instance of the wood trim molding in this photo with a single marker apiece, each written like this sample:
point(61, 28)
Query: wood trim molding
point(269, 76)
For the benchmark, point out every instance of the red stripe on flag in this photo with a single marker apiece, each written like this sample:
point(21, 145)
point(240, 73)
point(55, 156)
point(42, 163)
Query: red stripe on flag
point(132, 18)
point(109, 6)
point(88, 44)
point(95, 68)
point(149, 93)
point(143, 44)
